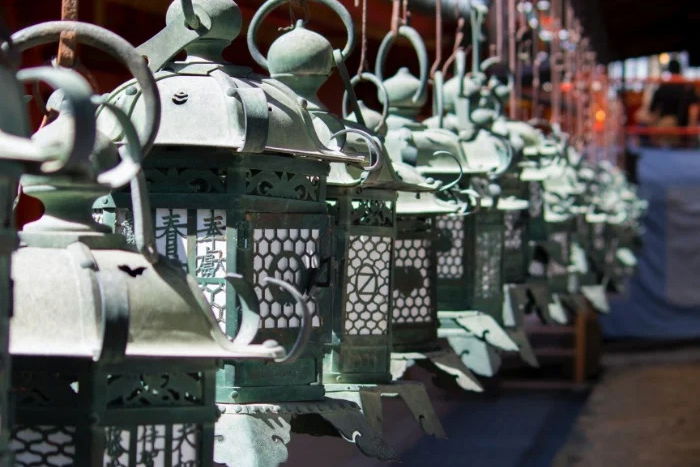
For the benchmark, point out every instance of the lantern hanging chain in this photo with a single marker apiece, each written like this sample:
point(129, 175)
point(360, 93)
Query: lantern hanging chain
point(459, 39)
point(406, 14)
point(303, 5)
point(67, 43)
point(363, 38)
point(438, 38)
point(499, 29)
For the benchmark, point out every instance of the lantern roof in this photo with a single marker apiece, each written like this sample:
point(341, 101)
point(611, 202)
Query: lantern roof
point(208, 102)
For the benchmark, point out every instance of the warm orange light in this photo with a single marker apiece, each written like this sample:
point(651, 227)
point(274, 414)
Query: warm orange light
point(566, 86)
point(600, 116)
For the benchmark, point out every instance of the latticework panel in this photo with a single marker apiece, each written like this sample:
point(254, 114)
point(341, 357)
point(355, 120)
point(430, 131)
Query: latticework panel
point(155, 390)
point(282, 184)
point(514, 230)
point(536, 199)
point(285, 254)
point(412, 281)
point(559, 259)
point(152, 445)
point(488, 253)
point(450, 264)
point(368, 285)
point(42, 445)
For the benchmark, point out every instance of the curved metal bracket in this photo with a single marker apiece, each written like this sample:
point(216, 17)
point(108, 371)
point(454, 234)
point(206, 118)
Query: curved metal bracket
point(306, 325)
point(78, 94)
point(113, 45)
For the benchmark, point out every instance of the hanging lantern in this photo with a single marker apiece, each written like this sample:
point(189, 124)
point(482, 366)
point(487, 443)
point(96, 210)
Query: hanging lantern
point(114, 351)
point(19, 155)
point(363, 205)
point(237, 178)
point(432, 151)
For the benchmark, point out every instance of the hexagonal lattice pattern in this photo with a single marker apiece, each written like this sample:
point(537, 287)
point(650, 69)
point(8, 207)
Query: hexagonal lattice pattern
point(285, 254)
point(488, 263)
point(43, 445)
point(536, 199)
point(513, 235)
point(449, 263)
point(412, 285)
point(367, 288)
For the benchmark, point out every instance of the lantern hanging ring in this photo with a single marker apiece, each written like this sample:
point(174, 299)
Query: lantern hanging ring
point(383, 96)
point(418, 45)
point(270, 5)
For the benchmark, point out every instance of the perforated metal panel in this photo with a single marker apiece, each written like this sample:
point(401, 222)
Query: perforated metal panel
point(558, 260)
point(412, 283)
point(368, 285)
point(513, 235)
point(536, 199)
point(43, 445)
point(488, 263)
point(450, 258)
point(285, 254)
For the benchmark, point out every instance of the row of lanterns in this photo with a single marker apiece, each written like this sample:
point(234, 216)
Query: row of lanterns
point(222, 260)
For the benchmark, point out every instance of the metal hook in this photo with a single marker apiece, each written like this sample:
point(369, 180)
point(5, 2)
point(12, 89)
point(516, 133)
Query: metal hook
point(372, 146)
point(306, 325)
point(455, 182)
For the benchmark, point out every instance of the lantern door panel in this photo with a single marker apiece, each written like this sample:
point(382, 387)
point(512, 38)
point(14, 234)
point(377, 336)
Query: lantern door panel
point(294, 248)
point(414, 319)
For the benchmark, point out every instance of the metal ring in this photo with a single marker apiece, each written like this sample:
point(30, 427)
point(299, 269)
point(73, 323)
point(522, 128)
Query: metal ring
point(270, 5)
point(306, 325)
point(78, 96)
point(418, 45)
point(114, 45)
point(384, 96)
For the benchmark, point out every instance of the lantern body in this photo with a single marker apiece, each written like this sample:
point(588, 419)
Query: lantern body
point(74, 412)
point(470, 262)
point(360, 351)
point(258, 216)
point(415, 320)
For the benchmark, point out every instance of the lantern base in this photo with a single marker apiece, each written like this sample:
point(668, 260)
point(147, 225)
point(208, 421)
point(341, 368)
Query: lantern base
point(596, 295)
point(256, 435)
point(479, 356)
point(369, 398)
point(445, 360)
point(517, 296)
point(480, 325)
point(557, 311)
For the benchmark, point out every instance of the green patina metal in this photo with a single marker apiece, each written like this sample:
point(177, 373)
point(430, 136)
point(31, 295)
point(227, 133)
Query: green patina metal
point(363, 206)
point(18, 155)
point(131, 380)
point(246, 193)
point(433, 152)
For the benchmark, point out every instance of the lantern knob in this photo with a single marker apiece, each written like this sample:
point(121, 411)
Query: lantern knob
point(405, 90)
point(301, 58)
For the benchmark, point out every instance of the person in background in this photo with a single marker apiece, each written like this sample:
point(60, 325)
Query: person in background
point(674, 104)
